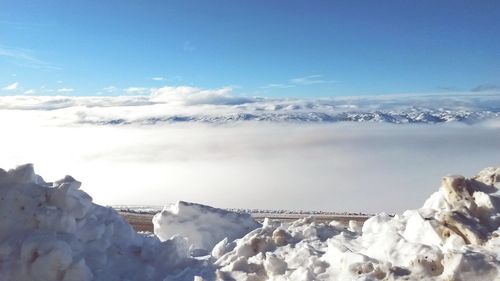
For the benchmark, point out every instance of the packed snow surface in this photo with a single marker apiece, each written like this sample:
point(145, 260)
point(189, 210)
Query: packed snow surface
point(203, 226)
point(54, 232)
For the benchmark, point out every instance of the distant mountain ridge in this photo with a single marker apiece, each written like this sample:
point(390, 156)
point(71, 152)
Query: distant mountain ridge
point(424, 117)
point(226, 109)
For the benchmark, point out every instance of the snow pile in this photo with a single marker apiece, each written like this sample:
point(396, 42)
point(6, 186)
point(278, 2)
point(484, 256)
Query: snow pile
point(55, 232)
point(203, 226)
point(454, 236)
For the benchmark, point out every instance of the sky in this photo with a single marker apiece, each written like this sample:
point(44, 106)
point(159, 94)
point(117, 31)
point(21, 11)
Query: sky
point(256, 48)
point(181, 59)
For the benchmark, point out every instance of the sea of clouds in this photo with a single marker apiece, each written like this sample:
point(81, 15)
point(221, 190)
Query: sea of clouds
point(272, 164)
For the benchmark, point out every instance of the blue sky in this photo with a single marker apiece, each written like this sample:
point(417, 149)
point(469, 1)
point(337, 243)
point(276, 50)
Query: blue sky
point(266, 48)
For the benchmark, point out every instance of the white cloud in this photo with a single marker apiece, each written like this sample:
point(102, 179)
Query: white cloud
point(300, 81)
point(193, 96)
point(342, 166)
point(65, 90)
point(158, 78)
point(279, 86)
point(337, 167)
point(137, 90)
point(25, 57)
point(310, 80)
point(11, 87)
point(29, 92)
point(110, 89)
point(189, 47)
point(222, 105)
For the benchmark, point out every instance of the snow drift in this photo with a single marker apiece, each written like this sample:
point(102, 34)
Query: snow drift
point(55, 232)
point(203, 226)
point(454, 236)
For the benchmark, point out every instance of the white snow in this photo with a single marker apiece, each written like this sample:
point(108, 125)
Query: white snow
point(453, 237)
point(203, 226)
point(55, 232)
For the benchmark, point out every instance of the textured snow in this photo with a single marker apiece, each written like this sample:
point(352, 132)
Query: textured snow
point(454, 236)
point(55, 232)
point(203, 226)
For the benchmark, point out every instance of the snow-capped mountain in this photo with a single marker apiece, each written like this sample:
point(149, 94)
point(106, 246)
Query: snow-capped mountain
point(225, 108)
point(426, 116)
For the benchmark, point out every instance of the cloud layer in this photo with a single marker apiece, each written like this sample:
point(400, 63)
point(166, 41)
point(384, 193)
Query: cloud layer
point(337, 167)
point(157, 148)
point(221, 105)
point(210, 146)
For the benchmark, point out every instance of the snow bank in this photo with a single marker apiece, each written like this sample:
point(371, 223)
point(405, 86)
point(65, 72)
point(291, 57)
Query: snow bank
point(55, 232)
point(454, 236)
point(202, 225)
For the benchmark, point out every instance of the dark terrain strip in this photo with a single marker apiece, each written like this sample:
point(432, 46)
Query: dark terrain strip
point(143, 222)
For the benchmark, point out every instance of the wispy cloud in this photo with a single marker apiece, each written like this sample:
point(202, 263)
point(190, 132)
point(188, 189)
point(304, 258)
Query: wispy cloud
point(486, 87)
point(158, 78)
point(25, 25)
point(29, 92)
point(65, 90)
point(189, 47)
point(310, 80)
point(26, 58)
point(300, 81)
point(11, 87)
point(279, 86)
point(137, 90)
point(110, 89)
point(448, 88)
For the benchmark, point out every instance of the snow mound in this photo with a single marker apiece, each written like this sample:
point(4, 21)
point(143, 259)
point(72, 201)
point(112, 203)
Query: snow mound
point(55, 232)
point(202, 225)
point(454, 236)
